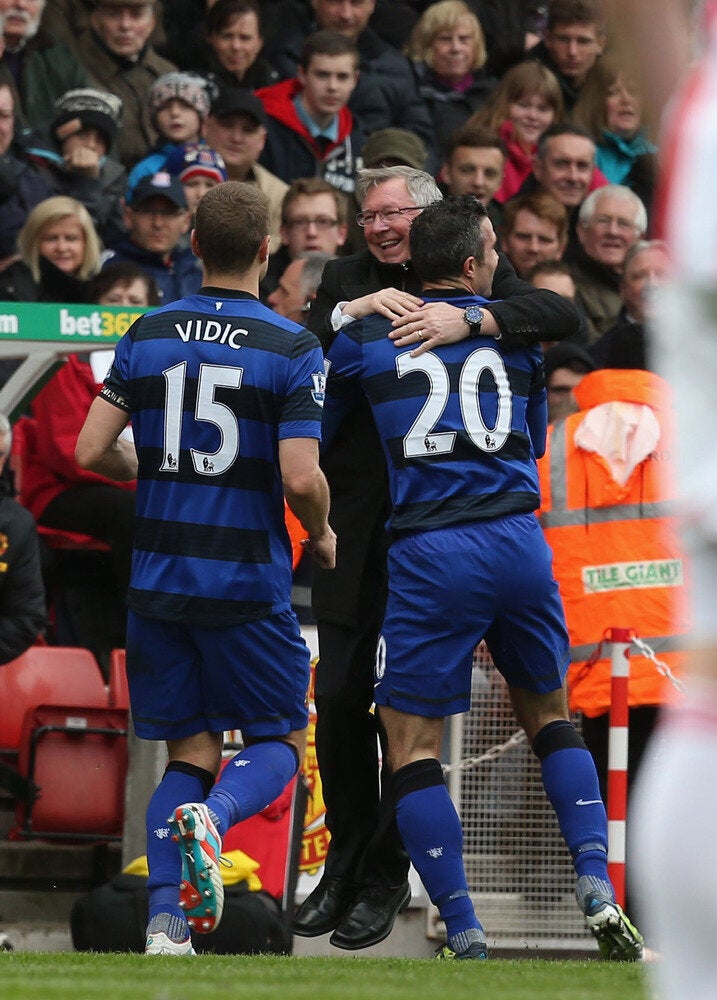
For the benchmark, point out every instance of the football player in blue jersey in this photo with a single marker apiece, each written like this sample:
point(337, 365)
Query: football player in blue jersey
point(225, 400)
point(461, 426)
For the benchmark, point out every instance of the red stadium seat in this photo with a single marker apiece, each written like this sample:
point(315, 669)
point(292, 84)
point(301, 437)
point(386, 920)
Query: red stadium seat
point(118, 687)
point(46, 675)
point(63, 749)
point(76, 762)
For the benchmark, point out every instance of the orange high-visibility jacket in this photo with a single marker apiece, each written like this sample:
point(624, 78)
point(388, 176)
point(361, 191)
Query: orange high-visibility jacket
point(616, 551)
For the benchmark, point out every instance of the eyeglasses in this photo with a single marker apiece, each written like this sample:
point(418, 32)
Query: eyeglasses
point(387, 215)
point(605, 221)
point(322, 223)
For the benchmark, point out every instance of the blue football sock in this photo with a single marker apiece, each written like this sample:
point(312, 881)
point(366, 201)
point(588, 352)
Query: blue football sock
point(250, 781)
point(181, 783)
point(571, 784)
point(433, 837)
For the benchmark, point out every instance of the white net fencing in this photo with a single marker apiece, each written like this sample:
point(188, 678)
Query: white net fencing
point(519, 870)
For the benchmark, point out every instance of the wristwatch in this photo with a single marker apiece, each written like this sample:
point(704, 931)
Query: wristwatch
point(473, 316)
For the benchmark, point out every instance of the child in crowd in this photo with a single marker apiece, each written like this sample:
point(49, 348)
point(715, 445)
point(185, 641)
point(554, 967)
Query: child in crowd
point(75, 155)
point(198, 167)
point(179, 103)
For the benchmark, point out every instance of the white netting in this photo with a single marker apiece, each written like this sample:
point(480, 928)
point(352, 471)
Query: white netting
point(519, 870)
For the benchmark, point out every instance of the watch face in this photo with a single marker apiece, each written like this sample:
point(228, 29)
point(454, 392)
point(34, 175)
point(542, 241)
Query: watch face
point(474, 315)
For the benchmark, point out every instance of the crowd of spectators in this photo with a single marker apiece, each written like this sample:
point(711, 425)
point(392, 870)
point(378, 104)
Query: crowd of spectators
point(117, 115)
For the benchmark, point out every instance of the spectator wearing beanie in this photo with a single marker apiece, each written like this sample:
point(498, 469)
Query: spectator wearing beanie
point(199, 168)
point(75, 157)
point(178, 105)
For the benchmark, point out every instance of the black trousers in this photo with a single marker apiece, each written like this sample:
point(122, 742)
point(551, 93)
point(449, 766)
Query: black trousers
point(103, 511)
point(93, 585)
point(365, 845)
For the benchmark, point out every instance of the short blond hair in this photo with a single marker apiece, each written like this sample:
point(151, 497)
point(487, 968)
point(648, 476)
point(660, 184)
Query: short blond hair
point(444, 16)
point(53, 210)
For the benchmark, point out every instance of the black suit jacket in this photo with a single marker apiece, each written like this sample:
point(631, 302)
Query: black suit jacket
point(354, 464)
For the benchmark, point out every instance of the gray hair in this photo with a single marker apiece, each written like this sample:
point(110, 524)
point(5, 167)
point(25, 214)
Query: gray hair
point(421, 186)
point(636, 248)
point(589, 205)
point(5, 434)
point(315, 262)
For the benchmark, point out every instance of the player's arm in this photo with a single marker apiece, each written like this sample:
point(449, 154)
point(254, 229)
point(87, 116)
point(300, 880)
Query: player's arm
point(307, 494)
point(524, 316)
point(99, 446)
point(343, 384)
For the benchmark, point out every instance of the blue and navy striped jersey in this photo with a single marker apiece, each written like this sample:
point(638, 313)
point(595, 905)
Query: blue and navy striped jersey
point(460, 425)
point(213, 382)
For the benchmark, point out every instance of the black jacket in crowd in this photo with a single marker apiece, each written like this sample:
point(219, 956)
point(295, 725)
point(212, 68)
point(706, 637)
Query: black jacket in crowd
point(22, 595)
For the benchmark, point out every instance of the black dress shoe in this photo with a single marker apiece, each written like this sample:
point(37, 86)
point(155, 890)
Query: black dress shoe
point(322, 910)
point(371, 916)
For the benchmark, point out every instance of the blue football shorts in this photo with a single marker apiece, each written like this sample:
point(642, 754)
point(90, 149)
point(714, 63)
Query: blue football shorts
point(186, 679)
point(451, 587)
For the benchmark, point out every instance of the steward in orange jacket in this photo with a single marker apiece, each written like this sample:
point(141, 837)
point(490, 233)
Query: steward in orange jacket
point(607, 483)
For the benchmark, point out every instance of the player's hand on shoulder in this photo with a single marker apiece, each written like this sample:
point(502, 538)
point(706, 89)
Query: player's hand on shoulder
point(431, 325)
point(388, 302)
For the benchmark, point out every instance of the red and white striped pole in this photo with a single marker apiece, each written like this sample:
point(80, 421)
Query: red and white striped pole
point(617, 759)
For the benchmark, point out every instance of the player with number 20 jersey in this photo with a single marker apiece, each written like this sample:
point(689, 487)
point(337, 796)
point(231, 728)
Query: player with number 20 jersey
point(461, 427)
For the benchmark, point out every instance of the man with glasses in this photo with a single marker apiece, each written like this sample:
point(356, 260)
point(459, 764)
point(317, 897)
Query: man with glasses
point(313, 220)
point(156, 219)
point(610, 220)
point(364, 885)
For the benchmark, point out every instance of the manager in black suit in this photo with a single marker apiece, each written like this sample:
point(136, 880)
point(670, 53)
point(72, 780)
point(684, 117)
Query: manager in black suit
point(364, 885)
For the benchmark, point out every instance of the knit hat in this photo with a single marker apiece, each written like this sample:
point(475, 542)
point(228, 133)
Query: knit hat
point(395, 145)
point(195, 159)
point(187, 87)
point(86, 108)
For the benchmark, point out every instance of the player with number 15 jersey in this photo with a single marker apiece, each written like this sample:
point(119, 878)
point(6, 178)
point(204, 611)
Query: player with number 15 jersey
point(212, 383)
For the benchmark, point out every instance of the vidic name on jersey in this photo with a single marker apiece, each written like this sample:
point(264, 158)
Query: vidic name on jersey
point(211, 330)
